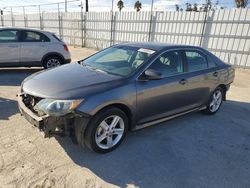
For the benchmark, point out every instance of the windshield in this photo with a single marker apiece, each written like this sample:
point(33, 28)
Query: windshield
point(120, 61)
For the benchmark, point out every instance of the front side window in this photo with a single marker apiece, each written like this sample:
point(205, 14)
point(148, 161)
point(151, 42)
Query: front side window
point(168, 64)
point(8, 36)
point(29, 36)
point(196, 61)
point(121, 61)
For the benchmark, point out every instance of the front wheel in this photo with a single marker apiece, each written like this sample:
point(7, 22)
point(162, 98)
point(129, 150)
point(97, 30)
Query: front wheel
point(215, 101)
point(106, 130)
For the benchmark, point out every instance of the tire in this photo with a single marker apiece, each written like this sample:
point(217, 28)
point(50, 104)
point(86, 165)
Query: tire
point(52, 61)
point(100, 136)
point(215, 101)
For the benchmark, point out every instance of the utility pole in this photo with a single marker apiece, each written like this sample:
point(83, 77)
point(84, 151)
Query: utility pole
point(112, 6)
point(87, 5)
point(59, 20)
point(12, 17)
point(23, 11)
point(204, 24)
point(82, 26)
point(40, 17)
point(112, 23)
point(151, 19)
point(1, 14)
point(24, 17)
point(66, 5)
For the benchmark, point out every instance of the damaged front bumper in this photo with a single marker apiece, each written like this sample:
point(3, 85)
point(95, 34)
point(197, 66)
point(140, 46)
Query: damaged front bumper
point(72, 124)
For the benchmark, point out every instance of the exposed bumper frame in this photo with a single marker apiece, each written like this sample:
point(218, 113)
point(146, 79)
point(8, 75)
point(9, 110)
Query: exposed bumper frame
point(73, 123)
point(29, 115)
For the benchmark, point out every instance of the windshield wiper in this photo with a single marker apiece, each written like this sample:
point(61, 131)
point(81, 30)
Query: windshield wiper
point(94, 68)
point(100, 70)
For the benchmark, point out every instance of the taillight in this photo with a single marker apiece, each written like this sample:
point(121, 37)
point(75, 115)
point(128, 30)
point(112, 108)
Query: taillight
point(66, 47)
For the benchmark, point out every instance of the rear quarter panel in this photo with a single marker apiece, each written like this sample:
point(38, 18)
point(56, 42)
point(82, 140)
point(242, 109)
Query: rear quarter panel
point(226, 74)
point(58, 48)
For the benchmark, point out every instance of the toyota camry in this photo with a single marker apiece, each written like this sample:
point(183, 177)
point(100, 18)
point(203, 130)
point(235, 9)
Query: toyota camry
point(124, 87)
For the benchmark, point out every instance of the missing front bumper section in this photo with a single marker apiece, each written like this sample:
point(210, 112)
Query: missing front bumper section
point(71, 124)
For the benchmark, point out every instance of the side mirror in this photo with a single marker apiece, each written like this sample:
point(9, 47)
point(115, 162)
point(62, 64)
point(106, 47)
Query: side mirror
point(152, 74)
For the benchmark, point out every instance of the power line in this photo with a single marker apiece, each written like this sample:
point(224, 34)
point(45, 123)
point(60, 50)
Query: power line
point(33, 5)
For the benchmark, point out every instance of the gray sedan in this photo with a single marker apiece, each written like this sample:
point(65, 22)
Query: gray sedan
point(124, 87)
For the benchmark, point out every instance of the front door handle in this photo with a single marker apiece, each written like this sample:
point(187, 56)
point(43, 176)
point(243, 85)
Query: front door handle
point(215, 74)
point(183, 81)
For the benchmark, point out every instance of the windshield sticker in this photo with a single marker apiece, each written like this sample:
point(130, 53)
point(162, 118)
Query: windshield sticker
point(148, 51)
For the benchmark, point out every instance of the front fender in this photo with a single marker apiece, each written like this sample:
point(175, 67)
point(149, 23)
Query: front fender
point(125, 95)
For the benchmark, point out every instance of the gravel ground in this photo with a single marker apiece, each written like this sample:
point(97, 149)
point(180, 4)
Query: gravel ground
point(191, 151)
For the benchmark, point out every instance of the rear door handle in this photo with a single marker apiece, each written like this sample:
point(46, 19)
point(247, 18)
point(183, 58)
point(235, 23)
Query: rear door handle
point(183, 81)
point(215, 74)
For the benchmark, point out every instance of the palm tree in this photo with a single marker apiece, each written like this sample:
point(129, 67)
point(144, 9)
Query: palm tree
point(209, 4)
point(188, 7)
point(177, 8)
point(120, 5)
point(241, 3)
point(195, 7)
point(138, 6)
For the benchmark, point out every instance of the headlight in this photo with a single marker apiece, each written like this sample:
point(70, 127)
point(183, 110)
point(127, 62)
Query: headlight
point(56, 107)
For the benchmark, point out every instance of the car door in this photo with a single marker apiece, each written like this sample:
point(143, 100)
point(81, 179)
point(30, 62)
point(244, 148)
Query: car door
point(34, 46)
point(9, 47)
point(164, 97)
point(201, 78)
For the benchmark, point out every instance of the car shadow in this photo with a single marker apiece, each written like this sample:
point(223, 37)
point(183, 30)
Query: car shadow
point(15, 76)
point(8, 108)
point(194, 150)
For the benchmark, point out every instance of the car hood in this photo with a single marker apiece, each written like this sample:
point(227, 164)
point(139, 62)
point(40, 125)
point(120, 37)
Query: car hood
point(71, 81)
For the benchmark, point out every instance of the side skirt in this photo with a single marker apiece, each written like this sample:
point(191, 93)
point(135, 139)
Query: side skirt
point(148, 124)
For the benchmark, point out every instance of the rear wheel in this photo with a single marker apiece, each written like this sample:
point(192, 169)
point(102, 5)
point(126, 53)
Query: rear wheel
point(52, 61)
point(215, 101)
point(106, 130)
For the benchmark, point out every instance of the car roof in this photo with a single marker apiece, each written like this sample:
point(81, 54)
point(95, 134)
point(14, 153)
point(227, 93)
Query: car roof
point(24, 29)
point(156, 46)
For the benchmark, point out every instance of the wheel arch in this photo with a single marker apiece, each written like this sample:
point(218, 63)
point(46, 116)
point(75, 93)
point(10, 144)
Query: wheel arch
point(224, 88)
point(125, 109)
point(53, 54)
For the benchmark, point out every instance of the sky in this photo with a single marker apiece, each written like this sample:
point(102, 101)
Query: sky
point(102, 5)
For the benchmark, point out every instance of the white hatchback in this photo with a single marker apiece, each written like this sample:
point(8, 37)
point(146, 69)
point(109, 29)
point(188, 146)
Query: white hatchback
point(31, 48)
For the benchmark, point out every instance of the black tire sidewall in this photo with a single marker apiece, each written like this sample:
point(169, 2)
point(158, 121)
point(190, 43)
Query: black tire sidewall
point(94, 123)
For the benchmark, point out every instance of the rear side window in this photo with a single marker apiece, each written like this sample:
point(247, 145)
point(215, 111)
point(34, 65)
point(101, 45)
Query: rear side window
point(211, 63)
point(196, 61)
point(8, 36)
point(56, 37)
point(30, 36)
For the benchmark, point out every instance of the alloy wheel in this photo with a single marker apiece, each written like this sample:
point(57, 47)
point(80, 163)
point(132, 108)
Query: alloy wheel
point(216, 101)
point(53, 63)
point(109, 132)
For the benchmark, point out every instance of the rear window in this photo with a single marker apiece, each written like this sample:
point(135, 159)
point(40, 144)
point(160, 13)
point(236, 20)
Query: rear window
point(56, 37)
